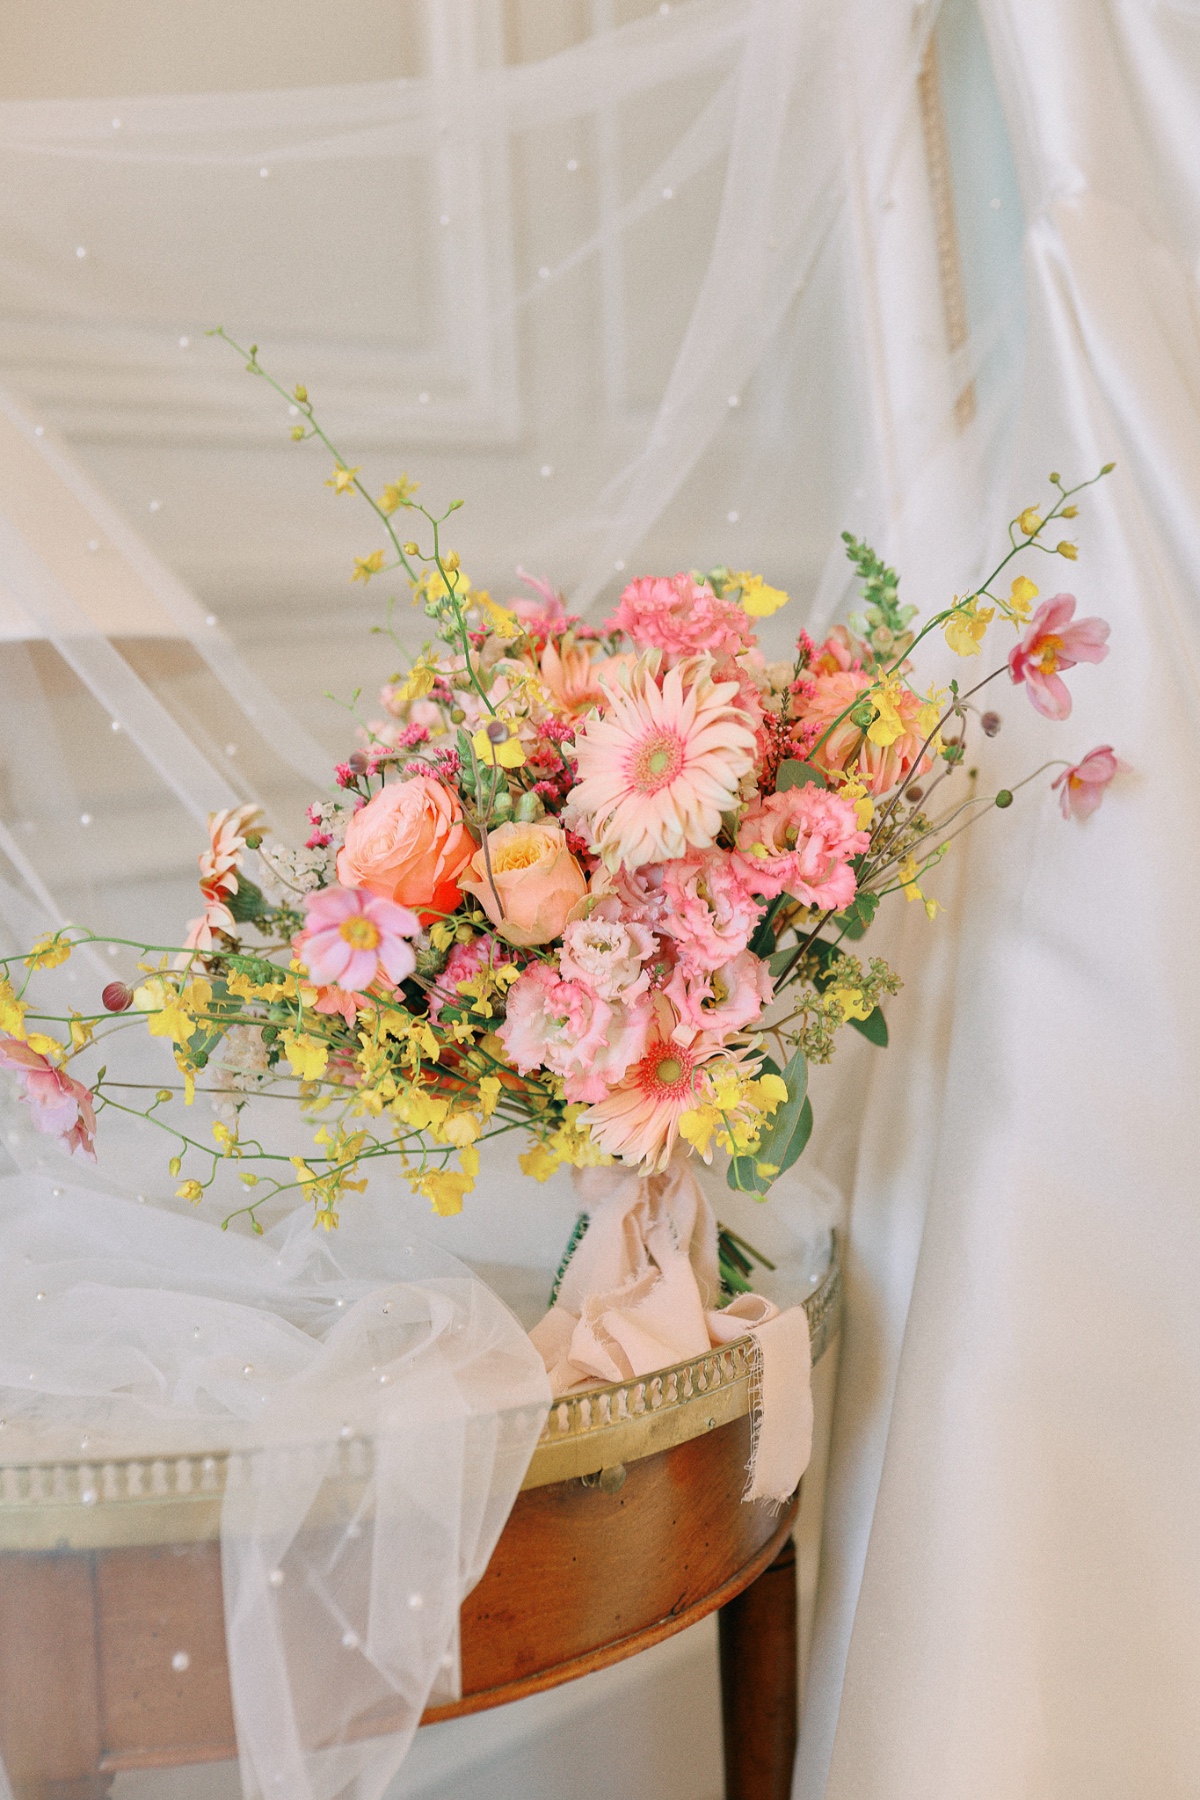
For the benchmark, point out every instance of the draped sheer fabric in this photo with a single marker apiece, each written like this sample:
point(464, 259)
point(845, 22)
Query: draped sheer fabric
point(661, 287)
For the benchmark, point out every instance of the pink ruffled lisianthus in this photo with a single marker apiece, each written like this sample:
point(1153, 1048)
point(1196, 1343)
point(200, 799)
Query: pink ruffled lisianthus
point(352, 938)
point(61, 1106)
point(720, 1001)
point(565, 1026)
point(801, 843)
point(1085, 783)
point(1053, 642)
point(660, 765)
point(680, 617)
point(707, 908)
point(464, 962)
point(607, 951)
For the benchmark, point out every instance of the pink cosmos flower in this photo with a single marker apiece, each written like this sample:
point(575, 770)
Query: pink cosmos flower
point(720, 1001)
point(607, 951)
point(707, 908)
point(564, 1026)
point(352, 937)
point(801, 842)
point(1084, 784)
point(219, 865)
point(61, 1106)
point(660, 765)
point(1051, 643)
point(463, 963)
point(677, 616)
point(546, 613)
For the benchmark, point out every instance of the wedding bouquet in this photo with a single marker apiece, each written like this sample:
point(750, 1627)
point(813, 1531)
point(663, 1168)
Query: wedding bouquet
point(603, 884)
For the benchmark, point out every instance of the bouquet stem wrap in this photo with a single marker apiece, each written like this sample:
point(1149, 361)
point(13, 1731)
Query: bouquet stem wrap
point(639, 1294)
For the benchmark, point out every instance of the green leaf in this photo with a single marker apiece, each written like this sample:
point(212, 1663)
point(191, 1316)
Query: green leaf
point(793, 774)
point(873, 1027)
point(248, 903)
point(764, 936)
point(776, 1146)
point(800, 1137)
point(858, 915)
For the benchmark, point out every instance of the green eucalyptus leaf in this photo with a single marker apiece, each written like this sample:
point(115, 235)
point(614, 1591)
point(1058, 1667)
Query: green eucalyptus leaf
point(794, 774)
point(873, 1028)
point(776, 1146)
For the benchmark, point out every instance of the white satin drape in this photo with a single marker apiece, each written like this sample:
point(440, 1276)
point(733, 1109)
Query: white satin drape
point(1012, 1581)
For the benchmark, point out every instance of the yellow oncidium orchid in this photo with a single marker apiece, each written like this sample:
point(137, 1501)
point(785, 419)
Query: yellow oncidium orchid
point(758, 599)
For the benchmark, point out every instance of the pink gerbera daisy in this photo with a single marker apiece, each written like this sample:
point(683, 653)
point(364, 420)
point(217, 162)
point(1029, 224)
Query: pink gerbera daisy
point(639, 1120)
point(353, 937)
point(660, 765)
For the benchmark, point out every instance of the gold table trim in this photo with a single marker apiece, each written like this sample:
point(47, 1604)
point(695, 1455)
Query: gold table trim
point(177, 1499)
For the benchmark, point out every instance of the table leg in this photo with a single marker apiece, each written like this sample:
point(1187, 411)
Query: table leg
point(49, 1684)
point(759, 1683)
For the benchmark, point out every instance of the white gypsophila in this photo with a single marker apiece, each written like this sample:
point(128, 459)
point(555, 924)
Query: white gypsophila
point(242, 1063)
point(287, 872)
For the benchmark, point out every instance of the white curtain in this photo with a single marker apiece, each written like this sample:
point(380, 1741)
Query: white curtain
point(657, 286)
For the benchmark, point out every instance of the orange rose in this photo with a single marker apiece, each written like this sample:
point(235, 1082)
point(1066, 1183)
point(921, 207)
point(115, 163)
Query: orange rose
point(535, 876)
point(409, 845)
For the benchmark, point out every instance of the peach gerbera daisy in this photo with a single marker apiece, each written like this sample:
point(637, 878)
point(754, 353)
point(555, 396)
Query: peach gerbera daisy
point(660, 765)
point(639, 1119)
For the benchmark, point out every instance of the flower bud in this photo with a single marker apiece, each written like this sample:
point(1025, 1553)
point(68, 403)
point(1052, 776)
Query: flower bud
point(301, 392)
point(117, 997)
point(1070, 512)
point(163, 1094)
point(358, 761)
point(991, 722)
point(1003, 799)
point(497, 731)
point(451, 561)
point(1070, 551)
point(253, 839)
point(411, 549)
point(915, 794)
point(530, 808)
point(1030, 521)
point(297, 433)
point(457, 715)
point(175, 1164)
point(1055, 477)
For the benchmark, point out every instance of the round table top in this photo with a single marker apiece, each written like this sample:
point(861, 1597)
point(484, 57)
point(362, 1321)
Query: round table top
point(79, 1505)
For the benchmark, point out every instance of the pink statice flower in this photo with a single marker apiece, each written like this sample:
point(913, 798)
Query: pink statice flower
point(708, 911)
point(607, 951)
point(680, 617)
point(1053, 642)
point(352, 938)
point(464, 962)
point(660, 765)
point(719, 1001)
point(565, 1026)
point(801, 843)
point(61, 1106)
point(1085, 783)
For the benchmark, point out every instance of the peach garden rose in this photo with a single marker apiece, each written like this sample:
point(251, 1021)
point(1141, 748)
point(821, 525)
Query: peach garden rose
point(408, 844)
point(535, 881)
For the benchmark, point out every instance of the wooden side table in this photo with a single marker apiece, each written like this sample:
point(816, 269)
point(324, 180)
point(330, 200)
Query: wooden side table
point(630, 1527)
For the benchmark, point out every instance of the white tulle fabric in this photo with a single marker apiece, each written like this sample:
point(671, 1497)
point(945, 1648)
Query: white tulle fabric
point(380, 1404)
